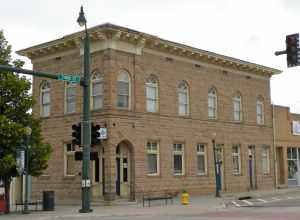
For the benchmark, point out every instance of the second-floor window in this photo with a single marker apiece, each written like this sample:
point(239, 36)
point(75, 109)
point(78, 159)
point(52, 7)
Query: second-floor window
point(123, 90)
point(97, 91)
point(183, 99)
point(70, 98)
point(151, 95)
point(260, 111)
point(212, 103)
point(237, 107)
point(45, 99)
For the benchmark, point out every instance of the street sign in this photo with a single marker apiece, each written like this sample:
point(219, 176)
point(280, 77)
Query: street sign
point(69, 78)
point(103, 133)
point(20, 161)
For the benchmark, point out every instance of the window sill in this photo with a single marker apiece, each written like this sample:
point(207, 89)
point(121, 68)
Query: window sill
point(185, 116)
point(96, 109)
point(152, 113)
point(153, 174)
point(69, 176)
point(178, 174)
point(42, 177)
point(69, 113)
point(123, 108)
point(202, 174)
point(237, 174)
point(212, 119)
point(44, 117)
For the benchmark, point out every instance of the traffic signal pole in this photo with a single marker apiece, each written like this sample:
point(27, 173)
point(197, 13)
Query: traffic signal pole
point(86, 123)
point(86, 141)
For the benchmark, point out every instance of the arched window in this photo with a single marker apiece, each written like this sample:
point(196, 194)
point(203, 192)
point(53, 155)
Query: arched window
point(45, 99)
point(70, 97)
point(152, 94)
point(260, 118)
point(97, 91)
point(212, 103)
point(123, 90)
point(183, 99)
point(237, 107)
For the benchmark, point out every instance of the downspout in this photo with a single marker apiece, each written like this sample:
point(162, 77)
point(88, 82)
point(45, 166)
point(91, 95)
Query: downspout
point(274, 147)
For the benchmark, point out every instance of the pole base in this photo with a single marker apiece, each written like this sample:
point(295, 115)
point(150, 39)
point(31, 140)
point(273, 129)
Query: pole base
point(85, 210)
point(26, 212)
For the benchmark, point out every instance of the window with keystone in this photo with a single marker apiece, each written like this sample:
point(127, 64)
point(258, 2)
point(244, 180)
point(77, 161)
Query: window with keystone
point(97, 91)
point(212, 103)
point(152, 94)
point(260, 111)
point(70, 98)
point(45, 99)
point(237, 107)
point(183, 99)
point(123, 90)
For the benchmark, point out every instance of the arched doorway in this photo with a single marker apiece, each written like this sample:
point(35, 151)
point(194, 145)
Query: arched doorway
point(124, 170)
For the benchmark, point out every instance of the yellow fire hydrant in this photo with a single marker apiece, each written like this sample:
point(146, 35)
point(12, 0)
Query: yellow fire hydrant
point(185, 198)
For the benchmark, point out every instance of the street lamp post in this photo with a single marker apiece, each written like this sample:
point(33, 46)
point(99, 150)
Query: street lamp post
point(217, 169)
point(28, 133)
point(86, 124)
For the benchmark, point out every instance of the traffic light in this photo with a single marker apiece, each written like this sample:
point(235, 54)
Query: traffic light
point(292, 44)
point(76, 134)
point(95, 134)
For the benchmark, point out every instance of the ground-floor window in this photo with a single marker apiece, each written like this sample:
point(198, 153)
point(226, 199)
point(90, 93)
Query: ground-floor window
point(265, 158)
point(69, 160)
point(152, 157)
point(178, 153)
point(201, 159)
point(293, 162)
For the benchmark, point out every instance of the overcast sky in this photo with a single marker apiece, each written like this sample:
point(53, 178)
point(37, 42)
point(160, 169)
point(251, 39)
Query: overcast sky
point(250, 30)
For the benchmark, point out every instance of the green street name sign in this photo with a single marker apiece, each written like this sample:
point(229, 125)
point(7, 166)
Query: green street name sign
point(69, 78)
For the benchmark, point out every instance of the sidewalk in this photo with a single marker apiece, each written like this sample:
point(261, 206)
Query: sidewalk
point(198, 205)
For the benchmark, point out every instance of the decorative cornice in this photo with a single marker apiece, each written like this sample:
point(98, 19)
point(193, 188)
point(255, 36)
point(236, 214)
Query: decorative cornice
point(142, 40)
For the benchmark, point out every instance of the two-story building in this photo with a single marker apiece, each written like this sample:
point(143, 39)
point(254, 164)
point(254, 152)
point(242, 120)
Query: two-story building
point(163, 103)
point(287, 142)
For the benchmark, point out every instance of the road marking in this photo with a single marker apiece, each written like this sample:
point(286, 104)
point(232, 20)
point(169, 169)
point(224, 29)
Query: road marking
point(289, 197)
point(274, 198)
point(236, 204)
point(264, 201)
point(248, 202)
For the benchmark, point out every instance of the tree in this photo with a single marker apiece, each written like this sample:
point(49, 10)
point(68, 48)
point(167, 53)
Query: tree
point(15, 114)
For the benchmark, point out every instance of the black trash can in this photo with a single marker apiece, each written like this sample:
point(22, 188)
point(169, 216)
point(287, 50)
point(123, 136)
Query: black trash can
point(48, 201)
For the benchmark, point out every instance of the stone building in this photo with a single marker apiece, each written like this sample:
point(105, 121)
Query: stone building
point(287, 142)
point(162, 103)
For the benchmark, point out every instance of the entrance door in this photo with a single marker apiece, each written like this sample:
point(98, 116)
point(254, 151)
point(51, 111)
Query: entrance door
point(123, 170)
point(98, 175)
point(251, 167)
point(118, 181)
